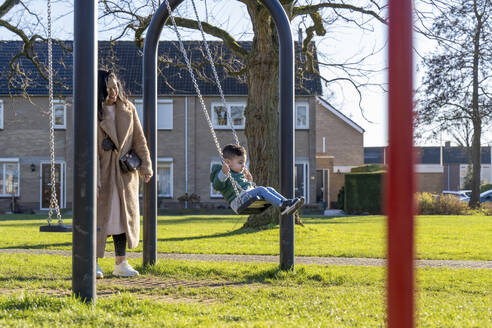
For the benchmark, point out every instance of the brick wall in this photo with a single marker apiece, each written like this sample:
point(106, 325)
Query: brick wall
point(343, 142)
point(429, 182)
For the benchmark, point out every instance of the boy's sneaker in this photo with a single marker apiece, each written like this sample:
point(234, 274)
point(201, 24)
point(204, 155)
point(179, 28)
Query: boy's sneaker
point(124, 270)
point(291, 205)
point(99, 272)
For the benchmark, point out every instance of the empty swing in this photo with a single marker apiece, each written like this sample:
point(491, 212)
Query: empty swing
point(253, 205)
point(60, 227)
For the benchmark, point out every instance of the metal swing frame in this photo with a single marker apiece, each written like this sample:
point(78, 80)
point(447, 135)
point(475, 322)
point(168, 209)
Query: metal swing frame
point(286, 105)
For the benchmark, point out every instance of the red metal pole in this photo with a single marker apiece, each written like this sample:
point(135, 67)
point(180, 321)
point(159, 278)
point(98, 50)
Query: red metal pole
point(400, 180)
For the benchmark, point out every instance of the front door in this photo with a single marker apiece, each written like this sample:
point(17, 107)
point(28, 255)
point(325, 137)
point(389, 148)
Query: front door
point(319, 186)
point(46, 184)
point(300, 180)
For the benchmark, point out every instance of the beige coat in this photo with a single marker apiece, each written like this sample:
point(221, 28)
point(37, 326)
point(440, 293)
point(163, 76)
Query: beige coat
point(126, 133)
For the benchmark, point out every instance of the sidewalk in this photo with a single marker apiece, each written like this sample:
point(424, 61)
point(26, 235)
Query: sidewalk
point(275, 259)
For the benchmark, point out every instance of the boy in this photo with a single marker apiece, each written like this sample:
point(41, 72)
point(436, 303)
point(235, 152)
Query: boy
point(235, 161)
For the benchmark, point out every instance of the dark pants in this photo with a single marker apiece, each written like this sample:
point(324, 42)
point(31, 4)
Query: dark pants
point(120, 244)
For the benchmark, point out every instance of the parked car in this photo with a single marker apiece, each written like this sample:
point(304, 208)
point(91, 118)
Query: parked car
point(462, 194)
point(486, 196)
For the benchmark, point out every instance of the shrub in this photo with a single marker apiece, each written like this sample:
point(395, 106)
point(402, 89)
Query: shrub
point(486, 208)
point(485, 187)
point(425, 203)
point(451, 205)
point(441, 204)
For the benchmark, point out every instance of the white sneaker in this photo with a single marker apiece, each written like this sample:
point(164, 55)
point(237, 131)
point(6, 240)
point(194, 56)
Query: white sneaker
point(124, 270)
point(99, 272)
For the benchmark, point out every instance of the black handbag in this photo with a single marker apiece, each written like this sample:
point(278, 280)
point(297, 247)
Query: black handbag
point(130, 162)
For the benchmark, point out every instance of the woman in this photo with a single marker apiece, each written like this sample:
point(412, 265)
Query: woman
point(119, 132)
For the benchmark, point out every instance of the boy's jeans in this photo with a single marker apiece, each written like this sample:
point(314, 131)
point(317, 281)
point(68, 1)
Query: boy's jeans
point(267, 193)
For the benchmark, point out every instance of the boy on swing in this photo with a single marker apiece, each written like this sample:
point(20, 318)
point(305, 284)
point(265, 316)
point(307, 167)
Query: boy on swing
point(235, 163)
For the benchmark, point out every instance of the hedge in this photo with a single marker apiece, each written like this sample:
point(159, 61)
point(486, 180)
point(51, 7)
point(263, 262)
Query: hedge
point(363, 193)
point(485, 187)
point(367, 168)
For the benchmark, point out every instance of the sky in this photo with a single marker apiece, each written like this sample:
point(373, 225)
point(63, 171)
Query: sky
point(343, 43)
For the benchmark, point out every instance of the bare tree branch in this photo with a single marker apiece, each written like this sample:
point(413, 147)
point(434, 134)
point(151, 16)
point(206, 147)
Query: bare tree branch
point(307, 9)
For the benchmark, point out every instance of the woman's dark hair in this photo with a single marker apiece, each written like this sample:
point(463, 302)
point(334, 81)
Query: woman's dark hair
point(102, 90)
point(231, 151)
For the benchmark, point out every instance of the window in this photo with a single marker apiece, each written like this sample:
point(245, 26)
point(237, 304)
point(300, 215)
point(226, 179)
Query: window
point(164, 113)
point(9, 177)
point(1, 114)
point(220, 115)
point(165, 177)
point(301, 174)
point(302, 115)
point(59, 114)
point(214, 193)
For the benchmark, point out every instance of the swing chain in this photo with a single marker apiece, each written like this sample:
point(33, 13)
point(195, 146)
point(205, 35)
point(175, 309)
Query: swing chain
point(202, 103)
point(216, 76)
point(53, 197)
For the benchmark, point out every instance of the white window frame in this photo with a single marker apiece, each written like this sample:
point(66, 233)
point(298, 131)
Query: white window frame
point(4, 161)
point(58, 102)
point(1, 114)
point(63, 167)
point(214, 195)
point(229, 104)
point(139, 102)
point(306, 104)
point(167, 160)
point(306, 177)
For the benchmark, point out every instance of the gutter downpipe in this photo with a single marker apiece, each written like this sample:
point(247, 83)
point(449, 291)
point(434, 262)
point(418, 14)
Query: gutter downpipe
point(186, 150)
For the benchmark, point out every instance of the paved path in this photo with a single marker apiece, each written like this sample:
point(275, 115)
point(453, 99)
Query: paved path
point(275, 259)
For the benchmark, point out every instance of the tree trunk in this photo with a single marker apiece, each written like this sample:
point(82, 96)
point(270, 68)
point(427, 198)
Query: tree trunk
point(476, 155)
point(262, 112)
point(476, 119)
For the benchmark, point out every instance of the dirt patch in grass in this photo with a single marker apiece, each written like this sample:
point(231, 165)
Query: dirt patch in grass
point(140, 287)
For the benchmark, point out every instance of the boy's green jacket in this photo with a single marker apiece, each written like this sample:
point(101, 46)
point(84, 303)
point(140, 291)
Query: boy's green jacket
point(226, 188)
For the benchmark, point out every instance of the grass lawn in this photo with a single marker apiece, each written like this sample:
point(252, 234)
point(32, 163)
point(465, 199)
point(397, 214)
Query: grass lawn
point(312, 296)
point(438, 237)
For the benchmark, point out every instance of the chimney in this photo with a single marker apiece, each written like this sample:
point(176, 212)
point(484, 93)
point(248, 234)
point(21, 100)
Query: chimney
point(447, 144)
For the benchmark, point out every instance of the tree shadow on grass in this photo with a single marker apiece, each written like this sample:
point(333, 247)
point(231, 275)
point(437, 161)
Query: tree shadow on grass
point(350, 220)
point(39, 246)
point(264, 276)
point(198, 219)
point(34, 224)
point(32, 279)
point(29, 217)
point(237, 232)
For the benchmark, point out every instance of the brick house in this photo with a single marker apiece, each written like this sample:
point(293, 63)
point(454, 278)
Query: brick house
point(339, 147)
point(185, 147)
point(438, 168)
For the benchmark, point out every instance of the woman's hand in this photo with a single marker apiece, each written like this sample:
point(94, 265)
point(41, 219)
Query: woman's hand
point(248, 175)
point(146, 177)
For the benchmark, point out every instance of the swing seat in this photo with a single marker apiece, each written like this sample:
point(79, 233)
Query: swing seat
point(254, 205)
point(55, 228)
